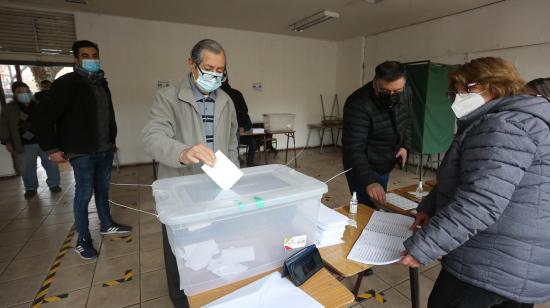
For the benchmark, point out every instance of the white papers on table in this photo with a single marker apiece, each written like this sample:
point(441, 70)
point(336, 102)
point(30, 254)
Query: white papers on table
point(331, 226)
point(258, 131)
point(224, 172)
point(272, 291)
point(381, 242)
point(400, 202)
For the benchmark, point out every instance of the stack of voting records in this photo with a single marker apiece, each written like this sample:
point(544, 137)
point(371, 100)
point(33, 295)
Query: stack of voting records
point(381, 242)
point(330, 227)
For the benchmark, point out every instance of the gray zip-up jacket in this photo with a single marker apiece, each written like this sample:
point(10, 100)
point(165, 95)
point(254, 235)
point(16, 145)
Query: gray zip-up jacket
point(176, 124)
point(491, 206)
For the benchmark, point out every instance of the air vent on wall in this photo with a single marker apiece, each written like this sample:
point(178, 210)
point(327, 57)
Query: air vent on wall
point(36, 32)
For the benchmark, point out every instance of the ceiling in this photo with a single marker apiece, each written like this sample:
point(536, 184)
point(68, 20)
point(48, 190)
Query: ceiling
point(357, 17)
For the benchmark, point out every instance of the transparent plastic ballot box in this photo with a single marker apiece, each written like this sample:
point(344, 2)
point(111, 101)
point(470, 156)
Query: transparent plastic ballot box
point(221, 236)
point(279, 121)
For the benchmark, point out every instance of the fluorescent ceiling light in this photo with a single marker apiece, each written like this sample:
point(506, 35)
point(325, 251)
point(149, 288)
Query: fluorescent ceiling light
point(313, 20)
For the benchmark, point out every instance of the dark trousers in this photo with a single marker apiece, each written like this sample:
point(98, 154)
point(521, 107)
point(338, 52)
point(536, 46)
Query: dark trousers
point(362, 195)
point(92, 175)
point(177, 296)
point(449, 292)
point(251, 142)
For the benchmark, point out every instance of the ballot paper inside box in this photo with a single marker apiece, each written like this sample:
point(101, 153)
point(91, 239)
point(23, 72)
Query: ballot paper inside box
point(221, 236)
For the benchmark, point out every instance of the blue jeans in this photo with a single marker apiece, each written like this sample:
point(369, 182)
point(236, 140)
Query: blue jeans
point(362, 195)
point(27, 165)
point(92, 174)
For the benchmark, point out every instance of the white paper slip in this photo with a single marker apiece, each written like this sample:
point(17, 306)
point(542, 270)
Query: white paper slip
point(271, 291)
point(258, 131)
point(400, 202)
point(330, 218)
point(381, 242)
point(224, 172)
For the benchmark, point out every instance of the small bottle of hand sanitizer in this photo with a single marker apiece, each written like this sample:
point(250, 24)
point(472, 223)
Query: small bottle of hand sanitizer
point(419, 190)
point(353, 204)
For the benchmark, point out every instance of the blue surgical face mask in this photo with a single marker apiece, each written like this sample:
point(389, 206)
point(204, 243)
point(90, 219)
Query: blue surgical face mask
point(23, 98)
point(208, 81)
point(91, 65)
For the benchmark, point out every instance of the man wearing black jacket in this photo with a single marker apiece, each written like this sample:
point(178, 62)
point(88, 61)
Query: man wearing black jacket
point(376, 132)
point(245, 124)
point(77, 122)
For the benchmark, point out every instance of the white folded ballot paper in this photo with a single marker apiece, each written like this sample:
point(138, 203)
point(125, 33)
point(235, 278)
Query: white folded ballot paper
point(331, 226)
point(272, 291)
point(224, 172)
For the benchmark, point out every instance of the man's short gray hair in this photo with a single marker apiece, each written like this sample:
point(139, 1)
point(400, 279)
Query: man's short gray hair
point(208, 44)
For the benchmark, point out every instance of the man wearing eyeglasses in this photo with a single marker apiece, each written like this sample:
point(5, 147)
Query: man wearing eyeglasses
point(376, 132)
point(187, 125)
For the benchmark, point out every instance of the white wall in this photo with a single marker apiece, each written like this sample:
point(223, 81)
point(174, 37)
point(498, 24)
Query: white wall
point(349, 67)
point(136, 53)
point(515, 29)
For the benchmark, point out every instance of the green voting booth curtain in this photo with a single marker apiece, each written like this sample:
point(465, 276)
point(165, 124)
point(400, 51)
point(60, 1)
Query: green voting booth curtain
point(432, 118)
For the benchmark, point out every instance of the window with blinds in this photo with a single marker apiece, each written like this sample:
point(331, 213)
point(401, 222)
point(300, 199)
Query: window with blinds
point(36, 32)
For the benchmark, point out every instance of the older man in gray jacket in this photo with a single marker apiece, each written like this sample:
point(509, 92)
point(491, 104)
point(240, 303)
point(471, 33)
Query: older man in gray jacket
point(490, 211)
point(188, 124)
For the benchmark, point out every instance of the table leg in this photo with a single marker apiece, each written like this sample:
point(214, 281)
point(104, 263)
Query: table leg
point(357, 284)
point(295, 157)
point(332, 137)
point(265, 148)
point(308, 135)
point(322, 137)
point(415, 289)
point(286, 151)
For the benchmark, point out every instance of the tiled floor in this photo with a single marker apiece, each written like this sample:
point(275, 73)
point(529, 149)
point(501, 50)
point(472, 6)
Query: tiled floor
point(32, 233)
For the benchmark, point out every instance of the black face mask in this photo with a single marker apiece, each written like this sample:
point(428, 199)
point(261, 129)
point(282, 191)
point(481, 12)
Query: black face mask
point(389, 99)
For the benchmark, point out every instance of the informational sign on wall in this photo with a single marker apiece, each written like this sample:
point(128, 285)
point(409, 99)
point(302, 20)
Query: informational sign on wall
point(163, 84)
point(257, 86)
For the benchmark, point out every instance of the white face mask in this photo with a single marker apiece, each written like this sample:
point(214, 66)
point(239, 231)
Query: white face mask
point(465, 103)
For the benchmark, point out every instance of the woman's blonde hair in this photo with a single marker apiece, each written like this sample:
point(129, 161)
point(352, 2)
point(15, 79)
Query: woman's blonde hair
point(496, 75)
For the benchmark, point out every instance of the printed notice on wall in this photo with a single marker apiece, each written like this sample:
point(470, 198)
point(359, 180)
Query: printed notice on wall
point(163, 84)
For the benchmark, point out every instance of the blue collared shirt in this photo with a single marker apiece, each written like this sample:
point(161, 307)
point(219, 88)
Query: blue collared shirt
point(206, 106)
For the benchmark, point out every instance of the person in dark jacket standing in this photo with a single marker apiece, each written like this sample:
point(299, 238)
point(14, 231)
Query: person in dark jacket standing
point(17, 133)
point(376, 132)
point(45, 86)
point(489, 214)
point(538, 86)
point(245, 124)
point(77, 122)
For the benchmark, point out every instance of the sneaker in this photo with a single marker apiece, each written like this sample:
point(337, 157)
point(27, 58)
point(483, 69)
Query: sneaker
point(29, 194)
point(85, 250)
point(55, 189)
point(115, 228)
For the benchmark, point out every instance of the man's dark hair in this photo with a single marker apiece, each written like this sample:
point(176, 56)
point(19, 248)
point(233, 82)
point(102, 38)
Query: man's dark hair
point(82, 44)
point(208, 44)
point(18, 84)
point(45, 81)
point(541, 86)
point(390, 71)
